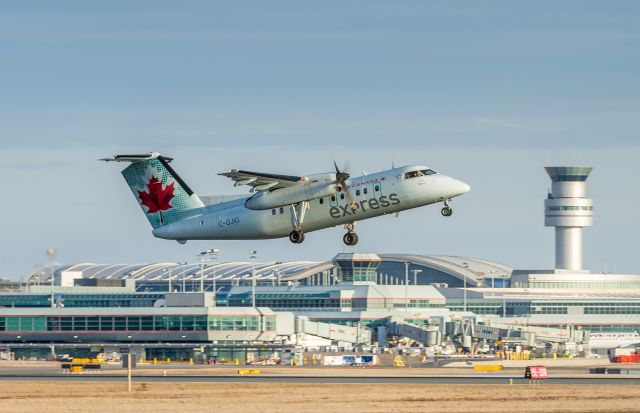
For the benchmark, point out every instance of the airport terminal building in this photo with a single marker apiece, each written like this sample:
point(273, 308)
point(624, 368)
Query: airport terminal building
point(353, 299)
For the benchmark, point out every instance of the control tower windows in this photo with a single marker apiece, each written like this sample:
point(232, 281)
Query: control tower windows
point(570, 208)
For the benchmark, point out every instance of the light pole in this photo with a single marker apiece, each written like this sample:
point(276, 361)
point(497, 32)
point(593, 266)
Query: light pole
point(164, 273)
point(52, 253)
point(253, 255)
point(202, 259)
point(465, 294)
point(184, 276)
point(415, 275)
point(213, 252)
point(406, 289)
point(493, 282)
point(466, 266)
point(214, 255)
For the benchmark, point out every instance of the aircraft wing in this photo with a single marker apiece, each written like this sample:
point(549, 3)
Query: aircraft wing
point(263, 181)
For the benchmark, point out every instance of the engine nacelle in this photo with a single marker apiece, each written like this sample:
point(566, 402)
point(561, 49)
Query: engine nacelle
point(292, 195)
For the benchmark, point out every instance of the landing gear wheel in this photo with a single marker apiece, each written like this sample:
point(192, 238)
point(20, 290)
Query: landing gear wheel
point(446, 211)
point(296, 236)
point(350, 238)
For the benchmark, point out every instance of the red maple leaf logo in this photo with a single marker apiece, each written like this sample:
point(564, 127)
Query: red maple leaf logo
point(157, 199)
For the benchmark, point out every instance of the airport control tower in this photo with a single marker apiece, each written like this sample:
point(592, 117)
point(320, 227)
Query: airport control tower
point(569, 210)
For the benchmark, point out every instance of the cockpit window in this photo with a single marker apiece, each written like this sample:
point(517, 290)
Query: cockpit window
point(426, 172)
point(412, 174)
point(416, 174)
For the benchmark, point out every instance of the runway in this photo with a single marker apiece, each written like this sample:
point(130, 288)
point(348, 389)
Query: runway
point(319, 379)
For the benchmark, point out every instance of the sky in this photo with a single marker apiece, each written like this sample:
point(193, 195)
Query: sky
point(488, 92)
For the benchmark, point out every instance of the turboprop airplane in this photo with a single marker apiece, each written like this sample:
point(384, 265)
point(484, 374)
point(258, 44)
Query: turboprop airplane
point(279, 205)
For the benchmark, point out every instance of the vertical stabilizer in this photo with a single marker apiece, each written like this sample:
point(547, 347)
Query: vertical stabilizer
point(163, 196)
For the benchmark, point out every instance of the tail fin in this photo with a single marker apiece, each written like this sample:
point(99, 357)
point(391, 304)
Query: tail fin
point(162, 194)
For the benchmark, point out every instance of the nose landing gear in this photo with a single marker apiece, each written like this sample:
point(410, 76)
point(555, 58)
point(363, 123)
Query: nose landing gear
point(350, 238)
point(447, 211)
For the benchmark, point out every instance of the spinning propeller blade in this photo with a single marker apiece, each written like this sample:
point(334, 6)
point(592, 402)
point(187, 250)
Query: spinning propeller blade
point(341, 180)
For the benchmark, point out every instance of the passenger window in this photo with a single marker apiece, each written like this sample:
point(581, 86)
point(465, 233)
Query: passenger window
point(321, 200)
point(358, 192)
point(341, 196)
point(377, 188)
point(273, 211)
point(333, 198)
point(365, 191)
point(281, 210)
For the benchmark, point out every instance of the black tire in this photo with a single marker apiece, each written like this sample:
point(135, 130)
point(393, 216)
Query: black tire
point(350, 239)
point(446, 211)
point(296, 237)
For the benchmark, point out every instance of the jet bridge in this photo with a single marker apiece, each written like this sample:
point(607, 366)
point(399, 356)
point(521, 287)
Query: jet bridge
point(335, 332)
point(429, 336)
point(526, 335)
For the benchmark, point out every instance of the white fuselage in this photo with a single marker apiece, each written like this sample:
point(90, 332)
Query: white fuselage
point(374, 195)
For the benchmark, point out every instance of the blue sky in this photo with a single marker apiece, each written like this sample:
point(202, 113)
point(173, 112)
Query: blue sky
point(489, 92)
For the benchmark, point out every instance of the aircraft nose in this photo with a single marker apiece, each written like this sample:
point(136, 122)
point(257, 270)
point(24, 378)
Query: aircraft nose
point(459, 188)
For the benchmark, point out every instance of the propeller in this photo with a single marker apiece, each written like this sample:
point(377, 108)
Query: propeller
point(341, 180)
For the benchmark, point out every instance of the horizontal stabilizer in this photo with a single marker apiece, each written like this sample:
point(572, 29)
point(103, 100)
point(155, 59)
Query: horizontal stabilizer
point(135, 158)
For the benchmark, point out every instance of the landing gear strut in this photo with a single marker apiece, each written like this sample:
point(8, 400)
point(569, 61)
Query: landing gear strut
point(350, 238)
point(297, 218)
point(447, 211)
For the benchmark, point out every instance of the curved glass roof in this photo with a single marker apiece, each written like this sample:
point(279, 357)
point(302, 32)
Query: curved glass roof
point(168, 270)
point(460, 267)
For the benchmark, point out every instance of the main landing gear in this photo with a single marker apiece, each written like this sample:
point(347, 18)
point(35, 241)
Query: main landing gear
point(296, 236)
point(350, 238)
point(447, 211)
point(297, 217)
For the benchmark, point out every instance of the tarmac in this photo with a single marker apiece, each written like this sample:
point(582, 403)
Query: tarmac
point(569, 373)
point(177, 373)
